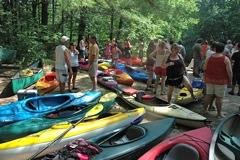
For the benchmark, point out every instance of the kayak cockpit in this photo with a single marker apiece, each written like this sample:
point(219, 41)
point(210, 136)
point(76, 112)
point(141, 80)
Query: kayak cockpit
point(45, 103)
point(179, 152)
point(125, 136)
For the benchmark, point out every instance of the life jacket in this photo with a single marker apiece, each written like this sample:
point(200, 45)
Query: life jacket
point(77, 150)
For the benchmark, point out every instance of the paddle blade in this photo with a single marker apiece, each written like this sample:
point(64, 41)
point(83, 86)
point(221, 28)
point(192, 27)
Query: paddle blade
point(107, 97)
point(97, 109)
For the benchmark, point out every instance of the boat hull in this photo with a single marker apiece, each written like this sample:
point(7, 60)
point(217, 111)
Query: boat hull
point(7, 56)
point(198, 138)
point(154, 133)
point(121, 77)
point(18, 81)
point(24, 148)
point(33, 125)
point(39, 106)
point(161, 109)
point(47, 83)
point(225, 144)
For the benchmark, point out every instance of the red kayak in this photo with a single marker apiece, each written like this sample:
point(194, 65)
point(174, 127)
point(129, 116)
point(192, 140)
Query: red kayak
point(194, 143)
point(134, 61)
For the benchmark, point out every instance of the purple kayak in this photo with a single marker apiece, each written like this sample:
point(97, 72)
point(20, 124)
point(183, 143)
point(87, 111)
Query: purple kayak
point(106, 80)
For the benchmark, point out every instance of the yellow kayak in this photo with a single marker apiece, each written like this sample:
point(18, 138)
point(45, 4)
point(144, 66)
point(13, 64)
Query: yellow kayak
point(184, 97)
point(23, 148)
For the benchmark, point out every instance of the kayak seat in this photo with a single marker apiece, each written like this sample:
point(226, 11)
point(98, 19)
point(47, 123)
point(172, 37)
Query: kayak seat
point(181, 152)
point(183, 94)
point(134, 133)
point(235, 141)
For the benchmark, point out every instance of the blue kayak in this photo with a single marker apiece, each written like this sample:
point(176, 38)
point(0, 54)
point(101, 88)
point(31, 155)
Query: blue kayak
point(137, 73)
point(39, 106)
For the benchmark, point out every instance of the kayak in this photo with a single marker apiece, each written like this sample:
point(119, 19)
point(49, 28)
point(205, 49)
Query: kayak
point(25, 147)
point(225, 143)
point(137, 73)
point(39, 106)
point(160, 108)
point(33, 125)
point(47, 83)
point(132, 142)
point(184, 97)
point(121, 77)
point(83, 65)
point(134, 61)
point(106, 80)
point(125, 143)
point(194, 144)
point(26, 77)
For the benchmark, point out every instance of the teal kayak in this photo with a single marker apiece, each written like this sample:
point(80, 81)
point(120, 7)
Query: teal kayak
point(132, 142)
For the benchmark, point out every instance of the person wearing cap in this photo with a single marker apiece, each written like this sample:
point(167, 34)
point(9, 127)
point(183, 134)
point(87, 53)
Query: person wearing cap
point(62, 63)
point(93, 61)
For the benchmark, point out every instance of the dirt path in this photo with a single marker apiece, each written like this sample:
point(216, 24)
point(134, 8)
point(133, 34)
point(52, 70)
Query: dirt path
point(230, 104)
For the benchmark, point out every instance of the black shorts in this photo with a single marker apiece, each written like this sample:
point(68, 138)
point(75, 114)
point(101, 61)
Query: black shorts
point(236, 78)
point(74, 69)
point(174, 81)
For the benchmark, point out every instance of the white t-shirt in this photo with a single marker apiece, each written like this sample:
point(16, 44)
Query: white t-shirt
point(209, 53)
point(60, 62)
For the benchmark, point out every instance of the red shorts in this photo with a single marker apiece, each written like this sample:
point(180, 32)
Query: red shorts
point(160, 71)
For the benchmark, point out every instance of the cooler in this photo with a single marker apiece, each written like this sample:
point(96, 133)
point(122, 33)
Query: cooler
point(26, 93)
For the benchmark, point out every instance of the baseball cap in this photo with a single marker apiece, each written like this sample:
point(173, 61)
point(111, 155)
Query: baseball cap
point(64, 39)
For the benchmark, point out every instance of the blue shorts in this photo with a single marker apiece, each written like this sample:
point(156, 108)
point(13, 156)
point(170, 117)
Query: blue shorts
point(61, 75)
point(82, 53)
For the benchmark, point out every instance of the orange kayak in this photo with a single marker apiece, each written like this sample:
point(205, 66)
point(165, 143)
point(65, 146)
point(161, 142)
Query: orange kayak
point(47, 83)
point(121, 77)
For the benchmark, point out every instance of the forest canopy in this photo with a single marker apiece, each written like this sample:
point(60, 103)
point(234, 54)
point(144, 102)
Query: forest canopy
point(34, 27)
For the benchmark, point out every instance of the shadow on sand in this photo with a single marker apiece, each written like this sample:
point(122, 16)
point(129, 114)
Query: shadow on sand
point(7, 91)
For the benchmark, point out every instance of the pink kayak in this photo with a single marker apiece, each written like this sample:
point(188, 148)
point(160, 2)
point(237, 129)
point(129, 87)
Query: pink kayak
point(194, 144)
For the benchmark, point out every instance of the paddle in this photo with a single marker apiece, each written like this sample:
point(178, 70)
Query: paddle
point(94, 111)
point(105, 98)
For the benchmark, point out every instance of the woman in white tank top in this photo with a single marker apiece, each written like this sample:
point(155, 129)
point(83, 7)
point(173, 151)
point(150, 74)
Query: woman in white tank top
point(160, 71)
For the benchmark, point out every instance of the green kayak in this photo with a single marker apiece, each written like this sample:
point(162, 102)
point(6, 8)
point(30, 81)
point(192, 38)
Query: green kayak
point(69, 114)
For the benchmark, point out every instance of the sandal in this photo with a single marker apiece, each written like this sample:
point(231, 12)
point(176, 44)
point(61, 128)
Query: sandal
point(74, 88)
point(163, 93)
point(147, 89)
point(212, 108)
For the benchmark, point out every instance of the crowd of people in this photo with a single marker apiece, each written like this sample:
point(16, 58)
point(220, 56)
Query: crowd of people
point(218, 62)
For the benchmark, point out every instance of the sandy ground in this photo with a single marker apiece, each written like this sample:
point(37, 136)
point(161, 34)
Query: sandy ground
point(230, 104)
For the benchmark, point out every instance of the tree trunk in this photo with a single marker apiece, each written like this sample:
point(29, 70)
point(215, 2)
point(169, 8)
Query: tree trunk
point(34, 8)
point(53, 13)
point(45, 12)
point(71, 24)
point(82, 25)
point(111, 26)
point(119, 28)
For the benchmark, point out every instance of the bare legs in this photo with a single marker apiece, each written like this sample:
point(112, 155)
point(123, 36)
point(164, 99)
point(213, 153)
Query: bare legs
point(162, 83)
point(150, 74)
point(62, 88)
point(218, 103)
point(72, 78)
point(188, 85)
point(94, 82)
point(169, 94)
